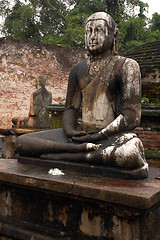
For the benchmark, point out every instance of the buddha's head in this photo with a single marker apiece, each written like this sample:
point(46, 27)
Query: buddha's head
point(42, 80)
point(101, 33)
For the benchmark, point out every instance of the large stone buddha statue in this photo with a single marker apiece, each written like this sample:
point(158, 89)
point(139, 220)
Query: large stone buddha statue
point(108, 87)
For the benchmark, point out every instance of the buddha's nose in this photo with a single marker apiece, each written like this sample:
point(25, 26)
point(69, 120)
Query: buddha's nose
point(93, 35)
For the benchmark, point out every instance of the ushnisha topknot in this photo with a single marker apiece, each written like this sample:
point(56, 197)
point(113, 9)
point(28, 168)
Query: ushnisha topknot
point(103, 16)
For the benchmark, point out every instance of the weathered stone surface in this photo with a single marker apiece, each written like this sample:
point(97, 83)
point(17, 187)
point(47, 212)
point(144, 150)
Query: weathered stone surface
point(148, 130)
point(77, 206)
point(85, 167)
point(144, 193)
point(107, 86)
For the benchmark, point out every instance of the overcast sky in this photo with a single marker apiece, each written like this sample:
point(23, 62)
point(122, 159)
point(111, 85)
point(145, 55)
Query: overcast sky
point(154, 6)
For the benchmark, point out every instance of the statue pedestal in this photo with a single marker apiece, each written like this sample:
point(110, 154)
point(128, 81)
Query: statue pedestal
point(37, 205)
point(87, 168)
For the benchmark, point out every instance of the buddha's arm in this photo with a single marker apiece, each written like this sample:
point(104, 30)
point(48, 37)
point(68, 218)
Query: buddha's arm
point(73, 103)
point(31, 110)
point(130, 111)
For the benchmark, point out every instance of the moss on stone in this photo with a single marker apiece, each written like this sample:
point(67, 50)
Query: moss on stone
point(152, 154)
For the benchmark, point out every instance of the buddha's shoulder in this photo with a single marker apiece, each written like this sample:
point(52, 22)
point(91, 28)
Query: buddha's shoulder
point(80, 65)
point(126, 60)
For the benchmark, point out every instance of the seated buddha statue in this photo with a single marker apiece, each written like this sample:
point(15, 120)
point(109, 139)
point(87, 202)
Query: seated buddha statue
point(108, 89)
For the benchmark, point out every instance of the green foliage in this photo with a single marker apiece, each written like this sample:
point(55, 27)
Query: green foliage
point(74, 32)
point(155, 22)
point(145, 100)
point(4, 7)
point(155, 102)
point(154, 36)
point(62, 22)
point(52, 17)
point(20, 23)
point(90, 6)
point(132, 32)
point(50, 39)
point(154, 29)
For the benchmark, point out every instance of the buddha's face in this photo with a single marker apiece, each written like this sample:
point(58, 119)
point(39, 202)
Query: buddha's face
point(98, 37)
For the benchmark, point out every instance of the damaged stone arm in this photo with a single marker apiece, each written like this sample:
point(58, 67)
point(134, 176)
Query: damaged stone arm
point(121, 124)
point(73, 103)
point(70, 119)
point(90, 137)
point(130, 99)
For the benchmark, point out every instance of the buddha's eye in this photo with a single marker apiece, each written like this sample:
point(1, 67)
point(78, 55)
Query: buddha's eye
point(99, 29)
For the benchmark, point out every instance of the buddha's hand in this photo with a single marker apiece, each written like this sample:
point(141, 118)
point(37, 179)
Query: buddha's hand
point(74, 133)
point(89, 137)
point(79, 133)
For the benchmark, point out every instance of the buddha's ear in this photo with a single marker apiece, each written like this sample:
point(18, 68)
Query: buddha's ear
point(116, 33)
point(115, 41)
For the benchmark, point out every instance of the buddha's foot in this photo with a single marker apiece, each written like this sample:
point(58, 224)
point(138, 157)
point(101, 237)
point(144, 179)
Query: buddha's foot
point(92, 146)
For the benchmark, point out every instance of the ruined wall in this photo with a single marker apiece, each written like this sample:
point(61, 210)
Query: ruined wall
point(20, 63)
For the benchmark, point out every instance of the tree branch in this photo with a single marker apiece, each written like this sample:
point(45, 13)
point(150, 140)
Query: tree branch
point(55, 9)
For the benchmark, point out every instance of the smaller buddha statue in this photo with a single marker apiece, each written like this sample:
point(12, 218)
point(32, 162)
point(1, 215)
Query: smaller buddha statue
point(38, 116)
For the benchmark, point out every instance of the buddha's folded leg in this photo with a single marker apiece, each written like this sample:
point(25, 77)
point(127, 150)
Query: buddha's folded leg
point(57, 135)
point(39, 143)
point(126, 151)
point(67, 156)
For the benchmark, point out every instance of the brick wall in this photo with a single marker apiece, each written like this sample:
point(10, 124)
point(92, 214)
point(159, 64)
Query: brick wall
point(150, 138)
point(20, 63)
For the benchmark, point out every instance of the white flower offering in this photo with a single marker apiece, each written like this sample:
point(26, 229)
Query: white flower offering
point(55, 172)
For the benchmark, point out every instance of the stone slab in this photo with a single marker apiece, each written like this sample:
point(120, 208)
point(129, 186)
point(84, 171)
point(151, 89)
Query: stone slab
point(37, 205)
point(141, 194)
point(18, 130)
point(87, 168)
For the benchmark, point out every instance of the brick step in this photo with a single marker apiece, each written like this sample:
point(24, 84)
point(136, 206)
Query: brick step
point(148, 53)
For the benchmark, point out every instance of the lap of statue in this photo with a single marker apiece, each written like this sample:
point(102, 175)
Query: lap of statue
point(123, 150)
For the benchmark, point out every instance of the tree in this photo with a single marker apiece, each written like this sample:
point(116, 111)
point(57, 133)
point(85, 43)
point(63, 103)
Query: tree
point(75, 21)
point(132, 32)
point(71, 32)
point(62, 22)
point(20, 23)
point(155, 22)
point(154, 29)
point(5, 8)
